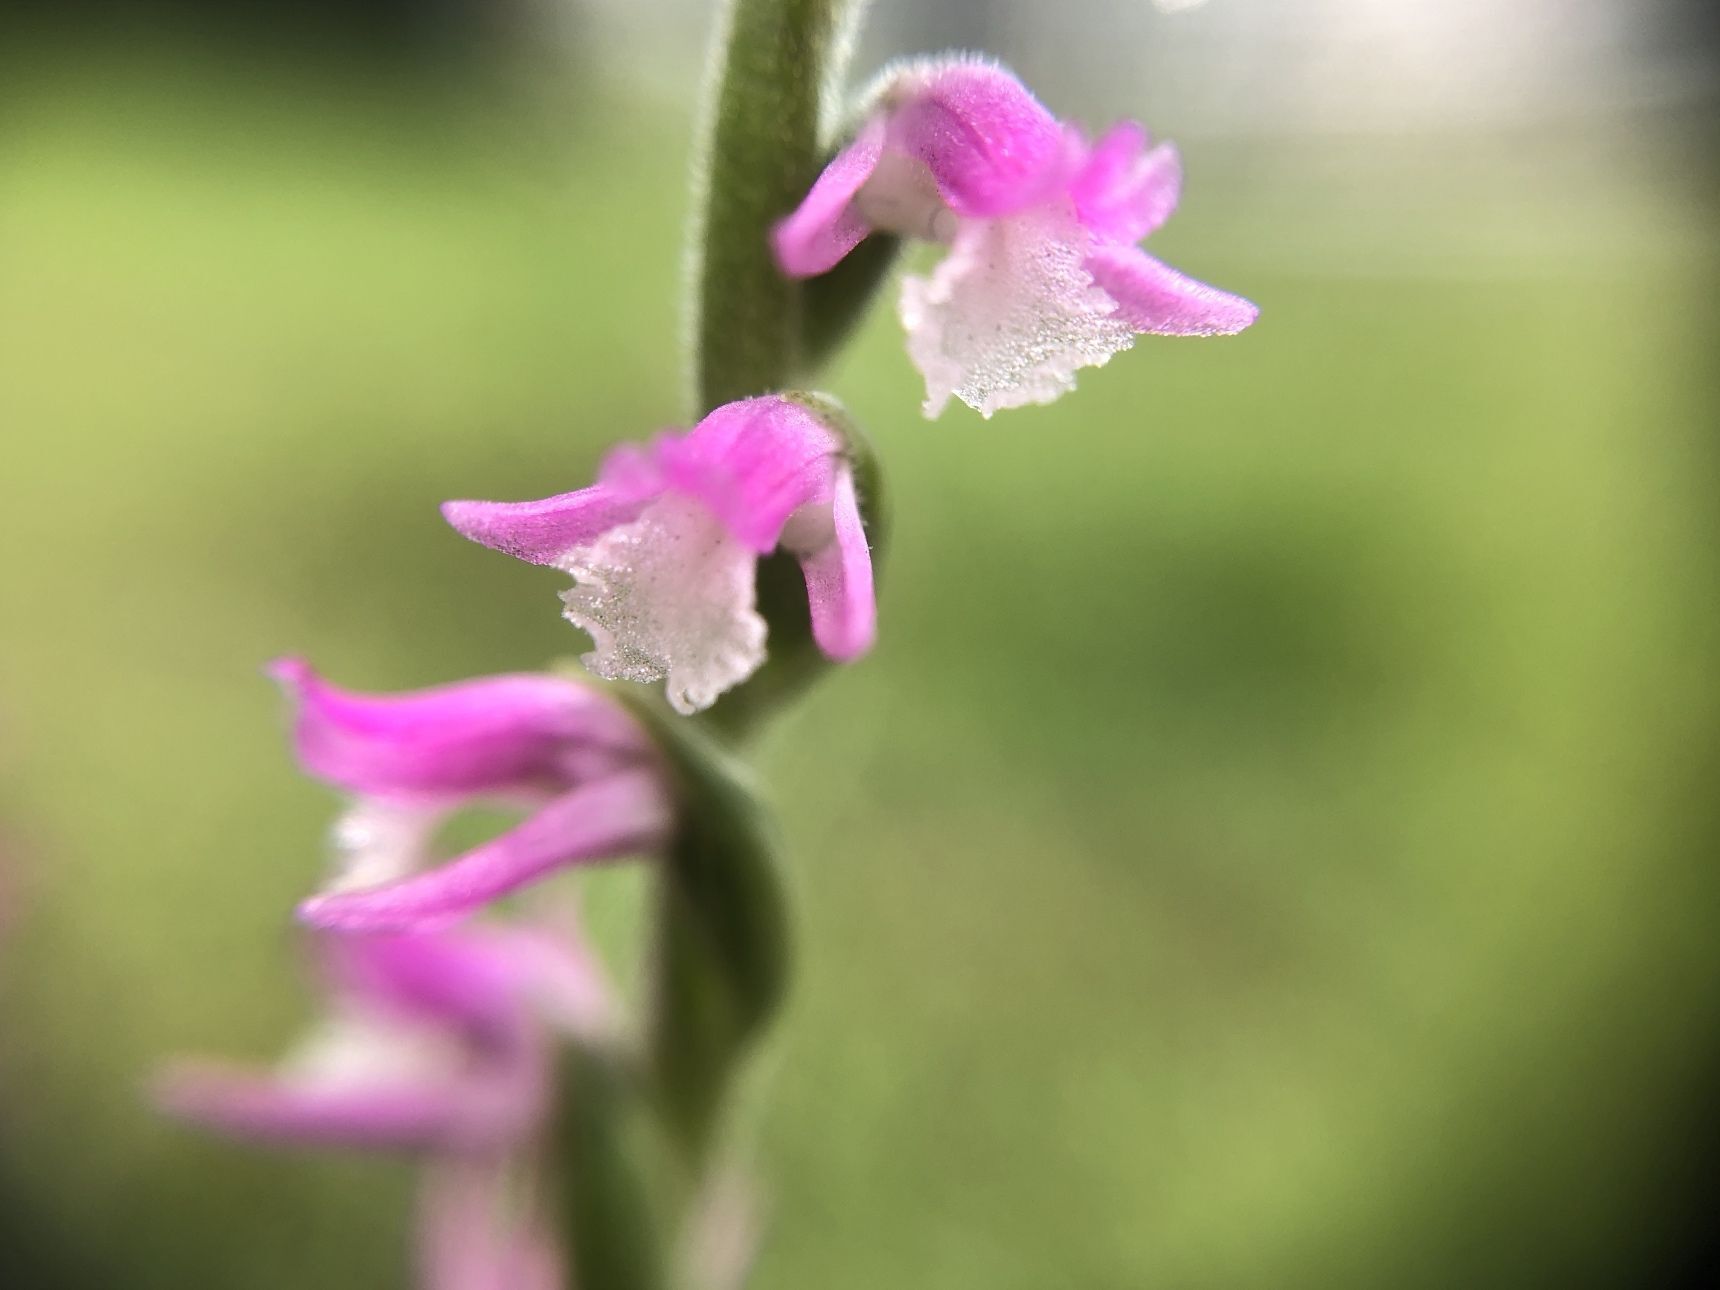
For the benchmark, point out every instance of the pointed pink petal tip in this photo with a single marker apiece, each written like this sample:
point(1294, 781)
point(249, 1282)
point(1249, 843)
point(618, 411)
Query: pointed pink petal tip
point(1153, 297)
point(292, 671)
point(486, 734)
point(262, 1107)
point(626, 814)
point(825, 227)
point(544, 531)
point(1124, 189)
point(839, 587)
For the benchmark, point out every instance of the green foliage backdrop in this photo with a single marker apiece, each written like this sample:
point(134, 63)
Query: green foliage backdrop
point(1272, 845)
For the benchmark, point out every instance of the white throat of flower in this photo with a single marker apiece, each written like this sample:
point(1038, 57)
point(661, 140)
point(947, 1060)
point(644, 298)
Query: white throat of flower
point(669, 597)
point(809, 530)
point(376, 841)
point(352, 1048)
point(1011, 313)
point(901, 196)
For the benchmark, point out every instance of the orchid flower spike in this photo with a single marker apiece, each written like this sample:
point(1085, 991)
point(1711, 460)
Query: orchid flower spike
point(576, 763)
point(664, 547)
point(1043, 275)
point(435, 1044)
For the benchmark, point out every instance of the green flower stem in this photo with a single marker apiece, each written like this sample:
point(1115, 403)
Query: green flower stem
point(636, 1136)
point(722, 948)
point(772, 61)
point(601, 1154)
point(719, 938)
point(833, 303)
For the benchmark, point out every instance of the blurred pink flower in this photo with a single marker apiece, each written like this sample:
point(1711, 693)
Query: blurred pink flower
point(664, 547)
point(577, 764)
point(437, 1044)
point(1043, 276)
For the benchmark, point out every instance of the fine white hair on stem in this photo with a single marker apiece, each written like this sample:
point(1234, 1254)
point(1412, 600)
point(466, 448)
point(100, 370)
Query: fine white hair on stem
point(699, 197)
point(908, 65)
point(832, 95)
point(845, 17)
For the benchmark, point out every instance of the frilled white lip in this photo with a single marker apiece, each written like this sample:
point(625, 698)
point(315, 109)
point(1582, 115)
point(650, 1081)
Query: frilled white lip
point(669, 597)
point(1010, 314)
point(1043, 276)
point(663, 548)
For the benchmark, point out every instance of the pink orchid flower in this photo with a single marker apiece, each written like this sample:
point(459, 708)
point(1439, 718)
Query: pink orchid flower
point(1043, 275)
point(664, 547)
point(435, 1044)
point(573, 760)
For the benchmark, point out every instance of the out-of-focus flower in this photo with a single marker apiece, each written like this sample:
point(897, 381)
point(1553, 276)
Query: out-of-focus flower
point(471, 1237)
point(663, 548)
point(573, 760)
point(433, 1041)
point(437, 1044)
point(1043, 276)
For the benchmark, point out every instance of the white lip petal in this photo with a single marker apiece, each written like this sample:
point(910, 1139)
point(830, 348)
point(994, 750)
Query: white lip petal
point(901, 196)
point(669, 597)
point(376, 842)
point(1011, 313)
point(351, 1049)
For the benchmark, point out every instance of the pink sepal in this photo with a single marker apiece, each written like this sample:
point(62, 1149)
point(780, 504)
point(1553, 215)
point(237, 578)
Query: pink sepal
point(669, 593)
point(479, 1230)
point(1124, 190)
point(839, 581)
point(629, 813)
point(751, 463)
point(992, 147)
point(488, 735)
point(434, 1048)
point(1153, 297)
point(826, 226)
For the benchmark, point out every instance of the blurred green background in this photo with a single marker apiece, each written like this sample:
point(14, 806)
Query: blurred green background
point(1271, 846)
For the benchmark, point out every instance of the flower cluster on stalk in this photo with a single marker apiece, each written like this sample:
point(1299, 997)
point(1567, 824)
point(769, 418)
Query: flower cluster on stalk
point(1043, 275)
point(445, 1013)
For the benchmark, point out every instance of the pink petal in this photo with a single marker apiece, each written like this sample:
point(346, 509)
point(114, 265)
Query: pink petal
point(480, 977)
point(468, 979)
point(561, 976)
point(366, 1081)
point(627, 813)
point(990, 145)
point(1124, 191)
point(472, 1235)
point(839, 581)
point(542, 532)
point(469, 737)
point(825, 226)
point(1153, 297)
point(668, 591)
point(263, 1107)
point(430, 1042)
point(753, 463)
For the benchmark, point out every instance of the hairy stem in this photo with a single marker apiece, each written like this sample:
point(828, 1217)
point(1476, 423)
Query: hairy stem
point(722, 938)
point(616, 1240)
point(719, 936)
point(772, 60)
